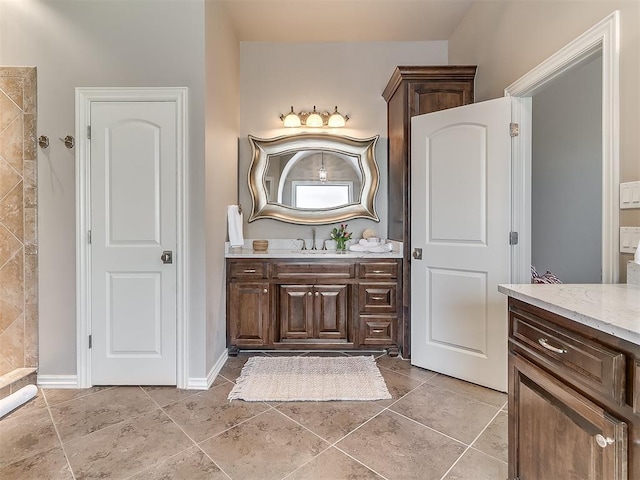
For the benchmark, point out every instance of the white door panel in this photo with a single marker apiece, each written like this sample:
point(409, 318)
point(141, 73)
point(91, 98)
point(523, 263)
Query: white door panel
point(460, 219)
point(133, 211)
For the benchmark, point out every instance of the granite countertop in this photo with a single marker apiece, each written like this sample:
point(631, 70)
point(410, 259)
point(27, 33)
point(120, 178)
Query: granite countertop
point(610, 308)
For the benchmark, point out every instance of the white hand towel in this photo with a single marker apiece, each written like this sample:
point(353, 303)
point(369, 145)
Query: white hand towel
point(234, 220)
point(357, 248)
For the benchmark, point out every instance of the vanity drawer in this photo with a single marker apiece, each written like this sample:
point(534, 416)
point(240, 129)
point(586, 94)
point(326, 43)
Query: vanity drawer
point(378, 270)
point(568, 354)
point(377, 297)
point(313, 270)
point(377, 329)
point(248, 270)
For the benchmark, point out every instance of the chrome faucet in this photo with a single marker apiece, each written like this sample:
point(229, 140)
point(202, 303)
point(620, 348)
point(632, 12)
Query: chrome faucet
point(313, 235)
point(304, 244)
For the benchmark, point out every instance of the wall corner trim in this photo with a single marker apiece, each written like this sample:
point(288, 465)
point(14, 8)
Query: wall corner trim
point(204, 383)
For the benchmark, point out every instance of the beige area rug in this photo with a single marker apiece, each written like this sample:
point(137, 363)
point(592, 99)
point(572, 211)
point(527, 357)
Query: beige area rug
point(289, 379)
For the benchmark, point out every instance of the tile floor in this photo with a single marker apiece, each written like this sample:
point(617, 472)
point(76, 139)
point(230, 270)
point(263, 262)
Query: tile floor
point(435, 427)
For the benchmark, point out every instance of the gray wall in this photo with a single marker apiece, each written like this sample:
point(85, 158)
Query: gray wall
point(274, 76)
point(77, 43)
point(566, 170)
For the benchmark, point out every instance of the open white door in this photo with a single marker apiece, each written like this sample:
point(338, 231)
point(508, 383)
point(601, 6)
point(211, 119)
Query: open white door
point(460, 219)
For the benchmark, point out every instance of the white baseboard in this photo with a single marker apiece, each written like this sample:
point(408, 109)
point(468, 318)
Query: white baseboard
point(202, 383)
point(58, 381)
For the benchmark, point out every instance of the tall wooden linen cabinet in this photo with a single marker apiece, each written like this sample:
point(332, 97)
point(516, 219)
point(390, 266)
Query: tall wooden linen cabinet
point(411, 91)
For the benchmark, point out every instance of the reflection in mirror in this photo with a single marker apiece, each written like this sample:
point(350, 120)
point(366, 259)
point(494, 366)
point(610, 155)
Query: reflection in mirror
point(313, 178)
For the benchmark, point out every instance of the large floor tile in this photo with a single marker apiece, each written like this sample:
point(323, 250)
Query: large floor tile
point(476, 465)
point(164, 396)
point(209, 413)
point(330, 420)
point(126, 448)
point(26, 435)
point(400, 449)
point(398, 385)
point(398, 365)
point(192, 464)
point(267, 447)
point(493, 440)
point(60, 395)
point(455, 415)
point(50, 465)
point(84, 415)
point(332, 465)
point(481, 394)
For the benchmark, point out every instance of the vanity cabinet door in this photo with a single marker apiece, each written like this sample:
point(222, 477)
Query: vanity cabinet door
point(330, 312)
point(296, 312)
point(556, 433)
point(249, 309)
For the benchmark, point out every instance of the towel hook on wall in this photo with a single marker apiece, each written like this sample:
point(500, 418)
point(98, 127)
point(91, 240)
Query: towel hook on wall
point(69, 141)
point(43, 141)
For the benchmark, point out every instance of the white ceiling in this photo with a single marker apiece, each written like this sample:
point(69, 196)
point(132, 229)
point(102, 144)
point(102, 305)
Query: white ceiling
point(345, 20)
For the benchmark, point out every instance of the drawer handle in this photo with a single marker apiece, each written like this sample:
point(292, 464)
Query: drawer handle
point(378, 330)
point(377, 271)
point(603, 441)
point(545, 344)
point(250, 270)
point(378, 297)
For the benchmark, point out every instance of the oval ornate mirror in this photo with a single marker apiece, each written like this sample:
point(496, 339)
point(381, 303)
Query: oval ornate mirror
point(313, 179)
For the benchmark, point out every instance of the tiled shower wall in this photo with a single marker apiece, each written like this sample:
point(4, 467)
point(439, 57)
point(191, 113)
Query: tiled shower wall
point(18, 220)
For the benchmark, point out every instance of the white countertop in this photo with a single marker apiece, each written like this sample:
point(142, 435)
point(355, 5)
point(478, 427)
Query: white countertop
point(290, 248)
point(305, 254)
point(610, 308)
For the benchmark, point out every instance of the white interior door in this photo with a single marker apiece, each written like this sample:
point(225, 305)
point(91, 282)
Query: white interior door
point(133, 212)
point(460, 218)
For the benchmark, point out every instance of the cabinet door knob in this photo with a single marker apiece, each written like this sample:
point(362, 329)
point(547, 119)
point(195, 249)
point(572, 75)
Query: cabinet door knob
point(544, 342)
point(309, 293)
point(265, 290)
point(603, 441)
point(317, 294)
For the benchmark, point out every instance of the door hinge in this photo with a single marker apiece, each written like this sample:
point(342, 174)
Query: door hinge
point(89, 236)
point(513, 238)
point(90, 341)
point(89, 132)
point(514, 129)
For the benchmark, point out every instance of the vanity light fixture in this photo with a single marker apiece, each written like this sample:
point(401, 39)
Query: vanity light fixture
point(322, 173)
point(314, 119)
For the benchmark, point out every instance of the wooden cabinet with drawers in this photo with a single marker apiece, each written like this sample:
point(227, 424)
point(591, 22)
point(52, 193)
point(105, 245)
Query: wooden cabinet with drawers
point(306, 304)
point(573, 399)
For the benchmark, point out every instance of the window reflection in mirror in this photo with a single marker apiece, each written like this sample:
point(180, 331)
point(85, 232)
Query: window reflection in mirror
point(313, 178)
point(294, 179)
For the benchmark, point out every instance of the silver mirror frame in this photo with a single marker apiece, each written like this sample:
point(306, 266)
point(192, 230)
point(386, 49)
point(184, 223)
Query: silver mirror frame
point(364, 149)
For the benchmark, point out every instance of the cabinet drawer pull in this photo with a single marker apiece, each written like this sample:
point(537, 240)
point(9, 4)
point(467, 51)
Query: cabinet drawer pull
point(378, 297)
point(265, 290)
point(377, 271)
point(378, 330)
point(603, 441)
point(545, 344)
point(249, 270)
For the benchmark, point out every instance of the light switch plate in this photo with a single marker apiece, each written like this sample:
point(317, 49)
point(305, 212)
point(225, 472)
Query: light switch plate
point(629, 238)
point(630, 195)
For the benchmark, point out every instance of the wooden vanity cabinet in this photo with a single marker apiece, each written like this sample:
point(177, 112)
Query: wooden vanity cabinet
point(313, 303)
point(411, 91)
point(571, 399)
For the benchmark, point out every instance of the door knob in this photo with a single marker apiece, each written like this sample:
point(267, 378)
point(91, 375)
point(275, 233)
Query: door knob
point(167, 256)
point(603, 441)
point(417, 253)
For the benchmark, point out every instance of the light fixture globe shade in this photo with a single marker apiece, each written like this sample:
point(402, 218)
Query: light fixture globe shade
point(314, 119)
point(292, 119)
point(336, 120)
